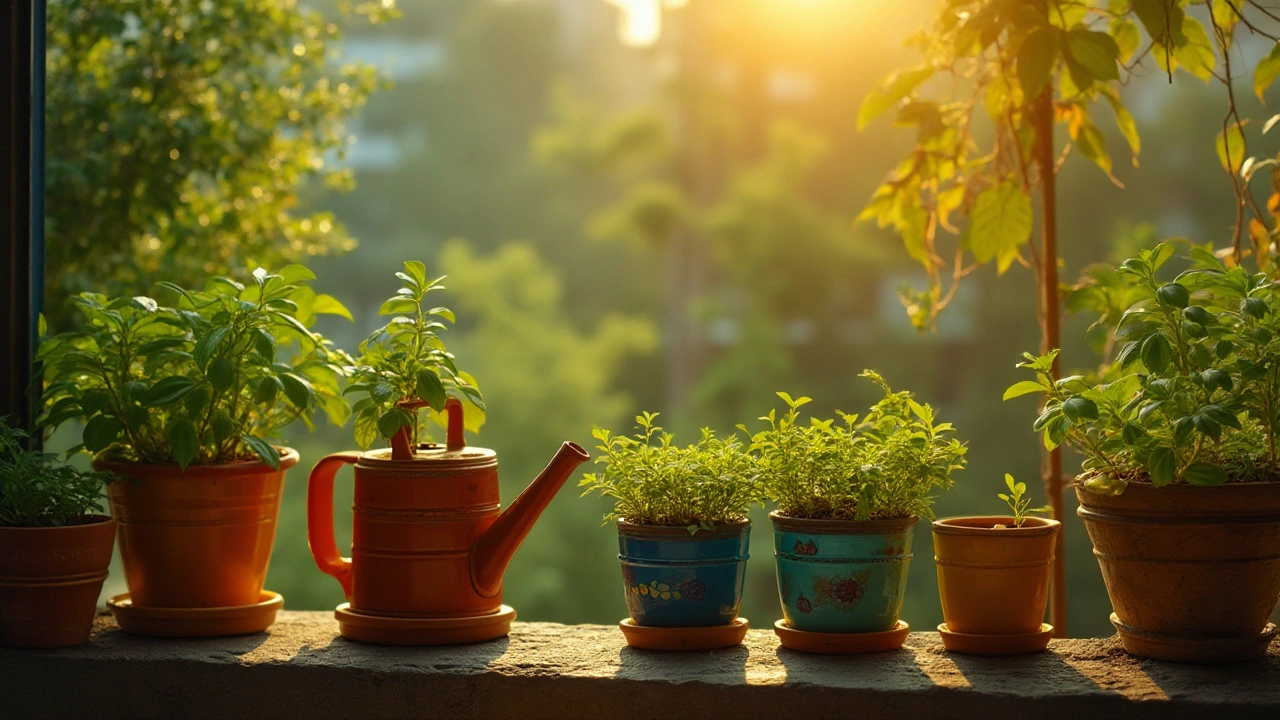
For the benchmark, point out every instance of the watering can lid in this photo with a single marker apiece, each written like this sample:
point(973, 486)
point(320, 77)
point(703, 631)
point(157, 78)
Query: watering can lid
point(437, 455)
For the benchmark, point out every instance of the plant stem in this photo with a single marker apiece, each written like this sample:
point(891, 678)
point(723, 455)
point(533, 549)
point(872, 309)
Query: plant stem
point(1042, 119)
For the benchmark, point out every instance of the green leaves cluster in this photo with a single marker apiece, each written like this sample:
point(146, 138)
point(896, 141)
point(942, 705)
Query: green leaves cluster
point(961, 198)
point(211, 378)
point(188, 136)
point(653, 481)
point(884, 466)
point(1018, 502)
point(1195, 394)
point(406, 361)
point(38, 491)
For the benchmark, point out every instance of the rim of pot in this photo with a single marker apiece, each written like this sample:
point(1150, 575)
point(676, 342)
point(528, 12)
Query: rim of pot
point(985, 525)
point(288, 458)
point(681, 531)
point(839, 526)
point(97, 519)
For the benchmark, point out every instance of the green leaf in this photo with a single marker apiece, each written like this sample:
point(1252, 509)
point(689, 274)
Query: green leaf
point(366, 428)
point(1162, 466)
point(265, 451)
point(1092, 143)
point(430, 388)
point(267, 391)
point(1206, 425)
point(167, 392)
point(1078, 409)
point(1231, 148)
point(222, 426)
point(221, 373)
point(1035, 61)
point(1204, 474)
point(297, 390)
point(1127, 36)
point(390, 422)
point(398, 306)
point(183, 441)
point(1196, 55)
point(264, 344)
point(1096, 52)
point(100, 432)
point(1156, 353)
point(1024, 387)
point(892, 89)
point(1173, 295)
point(293, 274)
point(417, 271)
point(329, 305)
point(1266, 72)
point(999, 223)
point(208, 345)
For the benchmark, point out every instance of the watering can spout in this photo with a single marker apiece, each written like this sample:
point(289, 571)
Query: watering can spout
point(490, 555)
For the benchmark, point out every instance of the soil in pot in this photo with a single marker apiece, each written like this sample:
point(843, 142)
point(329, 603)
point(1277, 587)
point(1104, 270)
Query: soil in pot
point(50, 578)
point(199, 538)
point(674, 579)
point(1193, 573)
point(842, 576)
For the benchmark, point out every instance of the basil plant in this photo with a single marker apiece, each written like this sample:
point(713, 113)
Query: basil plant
point(1194, 393)
point(211, 378)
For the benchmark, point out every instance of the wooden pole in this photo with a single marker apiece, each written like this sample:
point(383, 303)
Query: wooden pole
point(1051, 335)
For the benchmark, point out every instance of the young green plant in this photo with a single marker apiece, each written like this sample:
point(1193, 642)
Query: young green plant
point(653, 481)
point(1019, 504)
point(405, 362)
point(38, 491)
point(212, 379)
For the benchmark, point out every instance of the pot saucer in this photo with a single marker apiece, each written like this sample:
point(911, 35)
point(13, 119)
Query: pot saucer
point(196, 622)
point(1219, 650)
point(841, 643)
point(401, 630)
point(1022, 644)
point(714, 637)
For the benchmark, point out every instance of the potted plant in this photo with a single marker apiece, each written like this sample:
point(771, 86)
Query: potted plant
point(683, 533)
point(848, 495)
point(429, 543)
point(182, 402)
point(1180, 485)
point(55, 546)
point(993, 577)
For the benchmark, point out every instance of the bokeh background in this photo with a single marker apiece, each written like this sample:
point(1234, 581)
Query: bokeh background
point(627, 222)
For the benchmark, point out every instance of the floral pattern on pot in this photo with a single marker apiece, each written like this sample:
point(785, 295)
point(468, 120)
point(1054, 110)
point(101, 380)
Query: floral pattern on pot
point(674, 579)
point(851, 583)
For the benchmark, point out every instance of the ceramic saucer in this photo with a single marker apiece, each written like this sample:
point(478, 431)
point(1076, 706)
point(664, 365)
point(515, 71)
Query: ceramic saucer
point(684, 638)
point(196, 622)
point(1023, 644)
point(841, 643)
point(401, 630)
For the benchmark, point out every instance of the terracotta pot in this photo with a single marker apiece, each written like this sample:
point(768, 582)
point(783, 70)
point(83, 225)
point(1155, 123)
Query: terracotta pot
point(50, 578)
point(199, 538)
point(1193, 572)
point(994, 581)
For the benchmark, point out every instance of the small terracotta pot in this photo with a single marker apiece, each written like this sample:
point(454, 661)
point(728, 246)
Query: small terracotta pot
point(994, 581)
point(1193, 573)
point(199, 538)
point(50, 578)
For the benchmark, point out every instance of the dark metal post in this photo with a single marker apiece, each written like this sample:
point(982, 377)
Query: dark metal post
point(21, 231)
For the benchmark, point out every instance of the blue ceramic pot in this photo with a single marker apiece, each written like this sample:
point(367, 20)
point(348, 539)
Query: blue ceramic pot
point(841, 576)
point(674, 579)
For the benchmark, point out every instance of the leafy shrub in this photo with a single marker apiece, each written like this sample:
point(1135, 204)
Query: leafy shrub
point(38, 491)
point(1196, 391)
point(655, 482)
point(885, 466)
point(202, 382)
point(405, 361)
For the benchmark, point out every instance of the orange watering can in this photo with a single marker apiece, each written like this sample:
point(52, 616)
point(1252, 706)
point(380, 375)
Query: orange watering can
point(429, 540)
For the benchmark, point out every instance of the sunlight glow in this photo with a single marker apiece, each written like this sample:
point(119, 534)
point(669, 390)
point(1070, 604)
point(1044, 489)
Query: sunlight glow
point(640, 21)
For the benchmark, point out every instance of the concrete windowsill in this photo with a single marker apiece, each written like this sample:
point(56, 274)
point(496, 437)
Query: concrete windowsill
point(301, 668)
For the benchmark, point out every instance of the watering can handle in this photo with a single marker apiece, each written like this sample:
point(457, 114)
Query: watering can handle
point(320, 519)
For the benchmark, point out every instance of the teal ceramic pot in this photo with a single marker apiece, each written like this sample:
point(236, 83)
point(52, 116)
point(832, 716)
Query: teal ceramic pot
point(674, 579)
point(842, 576)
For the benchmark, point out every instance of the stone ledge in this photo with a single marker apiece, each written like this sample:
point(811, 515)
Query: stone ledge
point(301, 668)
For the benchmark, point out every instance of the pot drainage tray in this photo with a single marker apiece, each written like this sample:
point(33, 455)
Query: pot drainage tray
point(841, 643)
point(970, 644)
point(401, 630)
point(196, 622)
point(713, 637)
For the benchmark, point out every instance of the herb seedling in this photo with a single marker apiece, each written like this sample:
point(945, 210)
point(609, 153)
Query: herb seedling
point(1017, 501)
